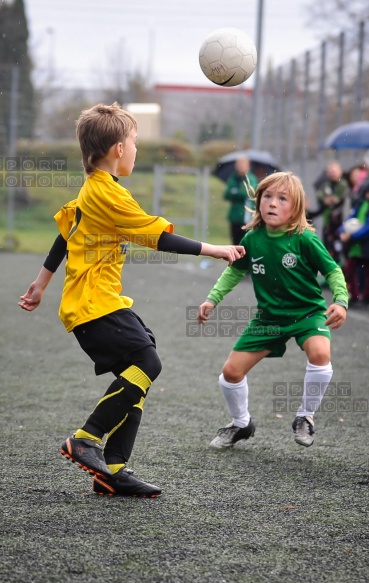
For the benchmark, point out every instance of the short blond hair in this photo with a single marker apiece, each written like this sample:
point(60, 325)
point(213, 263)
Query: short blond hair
point(293, 185)
point(99, 128)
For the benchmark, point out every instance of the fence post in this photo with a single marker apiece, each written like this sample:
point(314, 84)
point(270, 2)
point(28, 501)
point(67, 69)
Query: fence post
point(305, 117)
point(340, 72)
point(205, 203)
point(291, 131)
point(322, 98)
point(358, 110)
point(13, 126)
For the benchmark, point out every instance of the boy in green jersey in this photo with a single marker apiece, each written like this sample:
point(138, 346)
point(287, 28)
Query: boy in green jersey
point(283, 257)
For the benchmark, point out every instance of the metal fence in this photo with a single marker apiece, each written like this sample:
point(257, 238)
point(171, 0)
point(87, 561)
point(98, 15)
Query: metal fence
point(307, 98)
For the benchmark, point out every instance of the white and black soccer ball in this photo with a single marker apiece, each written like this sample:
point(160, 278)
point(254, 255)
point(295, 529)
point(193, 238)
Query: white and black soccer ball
point(228, 57)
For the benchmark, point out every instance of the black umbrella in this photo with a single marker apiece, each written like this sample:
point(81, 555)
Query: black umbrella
point(262, 163)
point(352, 136)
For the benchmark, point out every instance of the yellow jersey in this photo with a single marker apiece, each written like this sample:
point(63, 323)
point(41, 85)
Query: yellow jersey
point(98, 225)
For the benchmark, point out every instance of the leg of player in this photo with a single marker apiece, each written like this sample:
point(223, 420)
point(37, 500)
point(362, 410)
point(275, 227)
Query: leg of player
point(84, 447)
point(234, 386)
point(122, 436)
point(119, 343)
point(117, 415)
point(317, 377)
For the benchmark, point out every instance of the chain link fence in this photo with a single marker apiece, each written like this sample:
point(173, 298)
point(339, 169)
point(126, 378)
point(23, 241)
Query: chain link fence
point(307, 98)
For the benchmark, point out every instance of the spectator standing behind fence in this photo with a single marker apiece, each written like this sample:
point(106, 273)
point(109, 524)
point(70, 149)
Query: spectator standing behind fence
point(355, 178)
point(356, 268)
point(240, 186)
point(331, 195)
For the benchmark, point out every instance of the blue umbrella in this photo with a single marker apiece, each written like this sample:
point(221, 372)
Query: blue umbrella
point(352, 136)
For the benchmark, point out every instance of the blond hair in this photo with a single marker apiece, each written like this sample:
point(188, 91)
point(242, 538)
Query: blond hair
point(293, 185)
point(99, 128)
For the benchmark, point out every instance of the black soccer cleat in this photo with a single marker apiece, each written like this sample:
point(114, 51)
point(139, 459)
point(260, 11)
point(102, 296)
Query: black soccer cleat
point(124, 483)
point(88, 454)
point(229, 435)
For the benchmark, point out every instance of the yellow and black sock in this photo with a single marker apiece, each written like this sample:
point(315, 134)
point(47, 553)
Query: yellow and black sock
point(122, 395)
point(114, 468)
point(81, 434)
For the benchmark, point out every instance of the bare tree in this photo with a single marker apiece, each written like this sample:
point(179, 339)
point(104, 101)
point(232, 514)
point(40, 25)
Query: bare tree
point(330, 17)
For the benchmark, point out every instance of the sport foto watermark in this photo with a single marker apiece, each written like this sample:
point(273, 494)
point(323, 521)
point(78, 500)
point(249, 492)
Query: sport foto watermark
point(113, 248)
point(225, 322)
point(288, 397)
point(42, 171)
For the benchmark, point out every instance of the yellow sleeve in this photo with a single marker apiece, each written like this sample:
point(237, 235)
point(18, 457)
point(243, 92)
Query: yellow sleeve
point(65, 218)
point(136, 225)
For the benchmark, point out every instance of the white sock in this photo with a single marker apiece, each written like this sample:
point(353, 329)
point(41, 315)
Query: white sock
point(236, 396)
point(317, 378)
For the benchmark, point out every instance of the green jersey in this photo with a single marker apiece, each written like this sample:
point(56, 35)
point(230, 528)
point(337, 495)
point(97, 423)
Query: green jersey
point(284, 270)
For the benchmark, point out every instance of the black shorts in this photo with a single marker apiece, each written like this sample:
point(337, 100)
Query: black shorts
point(111, 340)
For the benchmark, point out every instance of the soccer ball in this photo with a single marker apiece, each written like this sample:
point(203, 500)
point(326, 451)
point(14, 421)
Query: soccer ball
point(228, 57)
point(350, 226)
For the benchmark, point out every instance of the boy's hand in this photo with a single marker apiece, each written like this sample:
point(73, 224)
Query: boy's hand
point(336, 316)
point(32, 298)
point(229, 253)
point(204, 311)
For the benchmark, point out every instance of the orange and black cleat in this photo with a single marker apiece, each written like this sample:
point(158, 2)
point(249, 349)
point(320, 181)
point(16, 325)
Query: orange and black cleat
point(88, 454)
point(124, 483)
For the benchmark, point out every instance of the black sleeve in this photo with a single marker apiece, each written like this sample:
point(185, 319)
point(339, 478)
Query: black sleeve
point(56, 254)
point(177, 244)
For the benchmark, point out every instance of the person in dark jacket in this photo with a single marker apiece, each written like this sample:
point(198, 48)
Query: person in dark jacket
point(331, 195)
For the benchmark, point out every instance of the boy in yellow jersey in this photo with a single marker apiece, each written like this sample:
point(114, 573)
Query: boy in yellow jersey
point(95, 230)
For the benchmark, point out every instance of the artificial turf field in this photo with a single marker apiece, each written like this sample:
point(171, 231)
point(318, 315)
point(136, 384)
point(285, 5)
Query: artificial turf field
point(266, 511)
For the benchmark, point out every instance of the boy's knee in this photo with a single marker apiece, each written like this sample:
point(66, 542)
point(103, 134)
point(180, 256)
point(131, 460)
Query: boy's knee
point(320, 358)
point(232, 374)
point(149, 362)
point(155, 367)
point(318, 350)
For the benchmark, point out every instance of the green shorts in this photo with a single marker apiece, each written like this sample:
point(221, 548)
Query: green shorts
point(262, 335)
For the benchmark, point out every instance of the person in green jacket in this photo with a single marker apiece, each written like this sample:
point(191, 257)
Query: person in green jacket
point(240, 186)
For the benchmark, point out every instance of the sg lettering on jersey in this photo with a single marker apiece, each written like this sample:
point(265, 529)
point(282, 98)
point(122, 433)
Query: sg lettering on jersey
point(258, 268)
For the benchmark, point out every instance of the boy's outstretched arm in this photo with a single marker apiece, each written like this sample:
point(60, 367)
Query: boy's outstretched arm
point(184, 246)
point(229, 253)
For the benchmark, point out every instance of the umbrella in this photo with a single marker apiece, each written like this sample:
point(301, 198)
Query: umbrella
point(262, 163)
point(352, 136)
